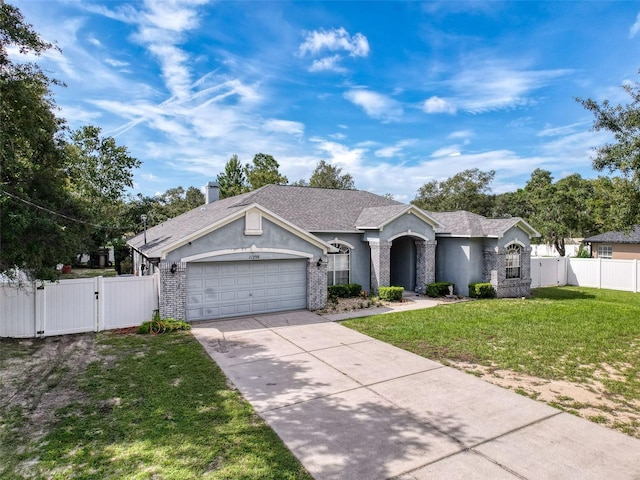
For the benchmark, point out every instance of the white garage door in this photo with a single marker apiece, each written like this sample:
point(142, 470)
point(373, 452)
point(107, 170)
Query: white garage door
point(228, 289)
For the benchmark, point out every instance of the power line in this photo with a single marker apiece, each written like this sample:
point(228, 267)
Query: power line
point(53, 212)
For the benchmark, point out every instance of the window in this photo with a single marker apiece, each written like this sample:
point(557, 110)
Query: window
point(605, 251)
point(512, 261)
point(338, 266)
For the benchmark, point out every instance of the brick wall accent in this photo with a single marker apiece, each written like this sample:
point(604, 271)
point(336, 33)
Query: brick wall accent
point(380, 264)
point(173, 290)
point(494, 271)
point(316, 284)
point(425, 264)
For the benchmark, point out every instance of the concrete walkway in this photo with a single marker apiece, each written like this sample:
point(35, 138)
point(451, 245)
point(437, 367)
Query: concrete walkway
point(351, 407)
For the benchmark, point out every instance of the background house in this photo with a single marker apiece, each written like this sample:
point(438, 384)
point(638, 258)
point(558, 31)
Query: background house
point(616, 245)
point(278, 247)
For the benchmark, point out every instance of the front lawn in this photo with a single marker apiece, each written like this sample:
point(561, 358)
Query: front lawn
point(129, 406)
point(579, 335)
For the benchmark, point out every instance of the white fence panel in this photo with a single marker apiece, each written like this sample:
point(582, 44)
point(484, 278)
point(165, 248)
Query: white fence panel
point(17, 311)
point(70, 306)
point(128, 301)
point(548, 271)
point(617, 275)
point(583, 272)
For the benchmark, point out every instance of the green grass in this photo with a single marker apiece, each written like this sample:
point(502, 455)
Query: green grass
point(151, 407)
point(560, 333)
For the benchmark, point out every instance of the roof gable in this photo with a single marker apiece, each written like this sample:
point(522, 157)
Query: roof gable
point(467, 224)
point(376, 218)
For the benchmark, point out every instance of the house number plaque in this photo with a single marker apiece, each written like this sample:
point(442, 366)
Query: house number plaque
point(254, 257)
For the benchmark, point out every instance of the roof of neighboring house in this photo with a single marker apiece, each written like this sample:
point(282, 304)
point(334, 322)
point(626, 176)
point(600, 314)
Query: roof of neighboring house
point(617, 237)
point(315, 210)
point(466, 224)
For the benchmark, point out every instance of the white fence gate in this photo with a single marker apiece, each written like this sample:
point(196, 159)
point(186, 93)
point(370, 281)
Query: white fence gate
point(74, 306)
point(586, 272)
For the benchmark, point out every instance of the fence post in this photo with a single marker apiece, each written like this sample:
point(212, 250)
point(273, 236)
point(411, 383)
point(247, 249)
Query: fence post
point(99, 311)
point(599, 276)
point(39, 312)
point(635, 275)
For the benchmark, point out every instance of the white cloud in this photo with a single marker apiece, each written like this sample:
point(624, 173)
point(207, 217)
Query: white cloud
point(635, 28)
point(336, 40)
point(327, 64)
point(464, 134)
point(340, 154)
point(438, 105)
point(375, 104)
point(115, 63)
point(490, 85)
point(450, 151)
point(395, 150)
point(284, 126)
point(493, 86)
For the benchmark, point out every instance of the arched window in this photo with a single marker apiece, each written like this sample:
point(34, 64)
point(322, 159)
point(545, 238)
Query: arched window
point(512, 261)
point(339, 265)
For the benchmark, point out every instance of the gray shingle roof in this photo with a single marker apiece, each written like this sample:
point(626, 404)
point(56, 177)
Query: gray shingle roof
point(376, 216)
point(466, 224)
point(313, 210)
point(617, 237)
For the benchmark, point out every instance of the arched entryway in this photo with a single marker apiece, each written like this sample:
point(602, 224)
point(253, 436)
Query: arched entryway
point(403, 262)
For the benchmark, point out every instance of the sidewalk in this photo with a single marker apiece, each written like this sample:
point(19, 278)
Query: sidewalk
point(351, 407)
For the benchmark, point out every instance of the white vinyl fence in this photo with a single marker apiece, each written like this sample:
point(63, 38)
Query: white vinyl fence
point(586, 272)
point(74, 306)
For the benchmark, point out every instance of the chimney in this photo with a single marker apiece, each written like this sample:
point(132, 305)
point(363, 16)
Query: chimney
point(213, 192)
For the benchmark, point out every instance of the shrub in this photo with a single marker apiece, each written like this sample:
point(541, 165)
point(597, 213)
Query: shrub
point(481, 290)
point(344, 291)
point(438, 289)
point(157, 326)
point(391, 294)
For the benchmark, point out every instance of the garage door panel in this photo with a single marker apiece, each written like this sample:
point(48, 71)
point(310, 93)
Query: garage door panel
point(211, 297)
point(226, 289)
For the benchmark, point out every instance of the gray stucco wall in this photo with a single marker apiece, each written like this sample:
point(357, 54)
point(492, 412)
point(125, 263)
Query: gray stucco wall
point(514, 234)
point(232, 236)
point(401, 225)
point(360, 256)
point(459, 260)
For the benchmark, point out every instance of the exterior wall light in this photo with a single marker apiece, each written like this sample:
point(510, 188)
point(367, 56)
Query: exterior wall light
point(173, 268)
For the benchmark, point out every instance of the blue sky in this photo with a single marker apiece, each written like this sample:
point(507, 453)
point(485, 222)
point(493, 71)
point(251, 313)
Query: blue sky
point(395, 93)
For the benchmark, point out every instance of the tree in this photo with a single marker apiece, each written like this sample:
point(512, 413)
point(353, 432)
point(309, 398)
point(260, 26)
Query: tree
point(614, 203)
point(232, 181)
point(99, 172)
point(264, 170)
point(623, 154)
point(159, 208)
point(559, 210)
point(468, 190)
point(328, 176)
point(41, 223)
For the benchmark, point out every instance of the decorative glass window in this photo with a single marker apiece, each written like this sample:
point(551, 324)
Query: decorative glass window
point(512, 261)
point(338, 266)
point(605, 251)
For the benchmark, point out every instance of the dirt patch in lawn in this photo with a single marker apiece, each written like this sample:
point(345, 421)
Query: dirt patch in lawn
point(39, 376)
point(588, 400)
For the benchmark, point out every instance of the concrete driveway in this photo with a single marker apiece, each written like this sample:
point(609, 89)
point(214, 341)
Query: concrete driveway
point(351, 407)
